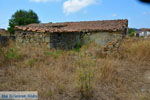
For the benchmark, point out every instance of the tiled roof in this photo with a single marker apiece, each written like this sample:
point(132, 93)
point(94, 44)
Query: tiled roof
point(84, 26)
point(145, 29)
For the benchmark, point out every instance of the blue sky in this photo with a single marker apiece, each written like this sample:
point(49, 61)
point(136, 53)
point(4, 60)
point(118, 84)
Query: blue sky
point(137, 13)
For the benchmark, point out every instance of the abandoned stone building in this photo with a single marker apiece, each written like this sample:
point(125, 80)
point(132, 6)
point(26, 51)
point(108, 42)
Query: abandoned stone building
point(68, 35)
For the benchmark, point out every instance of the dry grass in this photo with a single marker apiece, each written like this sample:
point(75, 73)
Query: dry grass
point(136, 49)
point(78, 75)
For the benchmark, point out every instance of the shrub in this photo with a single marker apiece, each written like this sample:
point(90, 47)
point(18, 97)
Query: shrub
point(131, 32)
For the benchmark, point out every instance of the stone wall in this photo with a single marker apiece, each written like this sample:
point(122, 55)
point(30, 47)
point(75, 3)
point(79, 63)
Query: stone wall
point(52, 40)
point(66, 40)
point(25, 37)
point(102, 38)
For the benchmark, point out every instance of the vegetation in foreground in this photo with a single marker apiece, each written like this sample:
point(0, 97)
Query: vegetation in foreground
point(85, 74)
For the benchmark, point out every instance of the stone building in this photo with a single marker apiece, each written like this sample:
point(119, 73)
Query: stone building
point(69, 35)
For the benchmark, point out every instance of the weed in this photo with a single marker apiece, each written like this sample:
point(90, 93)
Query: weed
point(12, 53)
point(85, 78)
point(49, 93)
point(77, 75)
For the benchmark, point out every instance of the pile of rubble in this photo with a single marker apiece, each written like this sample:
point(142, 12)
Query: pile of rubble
point(110, 48)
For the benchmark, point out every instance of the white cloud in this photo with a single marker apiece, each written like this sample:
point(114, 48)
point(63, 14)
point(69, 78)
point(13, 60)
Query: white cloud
point(42, 0)
point(71, 6)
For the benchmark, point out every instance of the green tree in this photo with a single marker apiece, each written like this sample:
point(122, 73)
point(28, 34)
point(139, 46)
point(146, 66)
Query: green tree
point(131, 32)
point(22, 17)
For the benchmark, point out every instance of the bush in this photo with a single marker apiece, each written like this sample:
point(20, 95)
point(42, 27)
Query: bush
point(131, 32)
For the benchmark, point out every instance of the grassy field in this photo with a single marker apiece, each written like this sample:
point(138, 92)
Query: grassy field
point(82, 74)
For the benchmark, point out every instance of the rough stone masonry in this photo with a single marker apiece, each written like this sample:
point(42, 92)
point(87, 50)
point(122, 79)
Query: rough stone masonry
point(69, 35)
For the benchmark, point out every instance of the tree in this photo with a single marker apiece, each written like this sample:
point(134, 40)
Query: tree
point(22, 17)
point(131, 32)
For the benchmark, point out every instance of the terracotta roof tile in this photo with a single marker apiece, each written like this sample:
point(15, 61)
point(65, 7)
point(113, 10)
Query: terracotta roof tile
point(88, 26)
